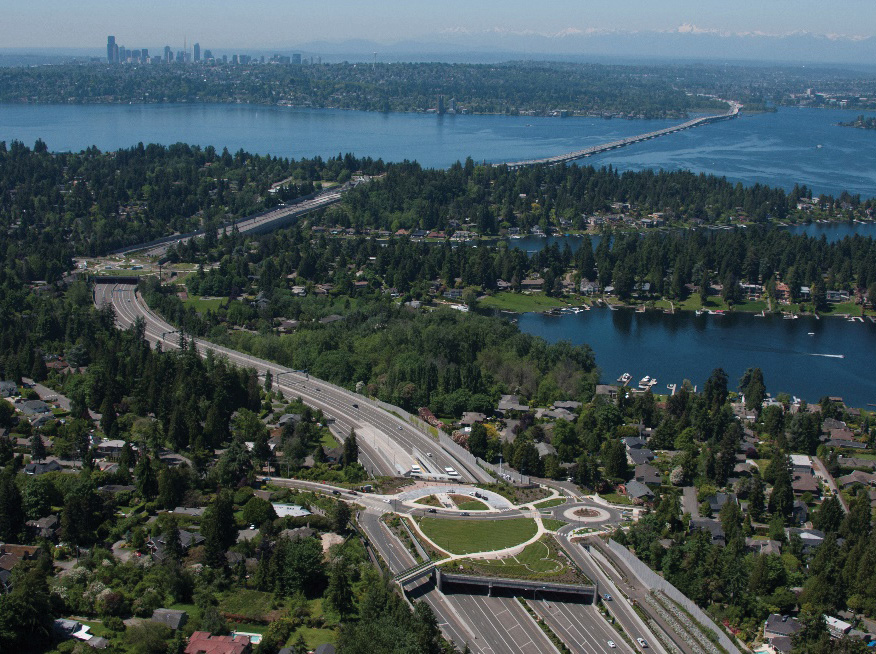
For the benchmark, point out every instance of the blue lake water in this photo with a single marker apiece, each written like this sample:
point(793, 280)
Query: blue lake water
point(778, 149)
point(685, 346)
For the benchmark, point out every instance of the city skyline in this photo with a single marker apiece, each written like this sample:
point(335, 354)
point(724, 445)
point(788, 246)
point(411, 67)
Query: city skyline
point(230, 25)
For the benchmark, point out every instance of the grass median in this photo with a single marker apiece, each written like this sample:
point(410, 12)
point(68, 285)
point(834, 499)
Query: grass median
point(468, 536)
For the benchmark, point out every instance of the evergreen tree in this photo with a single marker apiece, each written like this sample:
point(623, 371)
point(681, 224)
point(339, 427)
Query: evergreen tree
point(351, 450)
point(218, 529)
point(37, 447)
point(11, 511)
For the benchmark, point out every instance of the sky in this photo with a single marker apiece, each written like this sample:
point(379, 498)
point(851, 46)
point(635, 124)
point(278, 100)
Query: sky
point(287, 23)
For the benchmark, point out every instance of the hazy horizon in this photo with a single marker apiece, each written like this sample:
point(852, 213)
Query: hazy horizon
point(276, 24)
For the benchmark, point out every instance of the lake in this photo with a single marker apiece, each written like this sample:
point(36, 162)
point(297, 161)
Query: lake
point(685, 346)
point(776, 148)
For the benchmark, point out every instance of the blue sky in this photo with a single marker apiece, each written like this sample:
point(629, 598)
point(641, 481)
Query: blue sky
point(275, 23)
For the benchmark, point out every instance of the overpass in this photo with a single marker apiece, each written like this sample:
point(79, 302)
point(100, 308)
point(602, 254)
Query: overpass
point(733, 112)
point(516, 587)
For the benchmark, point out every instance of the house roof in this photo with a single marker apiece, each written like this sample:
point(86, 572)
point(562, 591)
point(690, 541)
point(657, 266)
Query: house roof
point(203, 642)
point(804, 483)
point(634, 442)
point(170, 617)
point(647, 474)
point(856, 477)
point(637, 489)
point(472, 417)
point(640, 456)
point(708, 524)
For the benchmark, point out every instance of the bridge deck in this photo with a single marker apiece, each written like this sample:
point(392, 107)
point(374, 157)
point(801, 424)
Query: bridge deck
point(605, 147)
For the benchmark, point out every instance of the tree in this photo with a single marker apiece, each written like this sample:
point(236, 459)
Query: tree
point(258, 511)
point(829, 516)
point(477, 440)
point(715, 391)
point(26, 615)
point(339, 593)
point(341, 517)
point(37, 447)
point(147, 483)
point(219, 529)
point(351, 450)
point(614, 459)
point(756, 498)
point(11, 510)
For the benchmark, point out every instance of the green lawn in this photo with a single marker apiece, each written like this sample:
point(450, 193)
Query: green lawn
point(755, 306)
point(328, 439)
point(251, 604)
point(316, 637)
point(467, 536)
point(552, 525)
point(472, 505)
point(549, 503)
point(615, 498)
point(203, 305)
point(539, 560)
point(429, 500)
point(520, 303)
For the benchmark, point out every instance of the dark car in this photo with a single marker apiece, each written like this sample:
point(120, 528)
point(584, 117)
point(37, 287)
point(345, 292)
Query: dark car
point(431, 510)
point(334, 492)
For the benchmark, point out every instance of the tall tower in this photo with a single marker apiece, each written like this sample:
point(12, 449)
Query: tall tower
point(110, 47)
point(197, 49)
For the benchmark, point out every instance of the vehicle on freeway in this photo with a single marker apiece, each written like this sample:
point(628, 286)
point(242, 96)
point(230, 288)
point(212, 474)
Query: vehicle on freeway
point(355, 406)
point(334, 492)
point(429, 454)
point(611, 644)
point(451, 472)
point(606, 597)
point(464, 513)
point(642, 642)
point(431, 510)
point(352, 492)
point(386, 501)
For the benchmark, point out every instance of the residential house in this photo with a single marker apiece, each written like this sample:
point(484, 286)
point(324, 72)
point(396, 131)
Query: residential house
point(801, 463)
point(33, 407)
point(157, 544)
point(636, 457)
point(783, 292)
point(837, 628)
point(569, 405)
point(110, 447)
point(856, 477)
point(835, 297)
point(203, 642)
point(718, 500)
point(170, 618)
point(470, 418)
point(10, 556)
point(647, 474)
point(637, 491)
point(759, 546)
point(800, 512)
point(8, 389)
point(710, 525)
point(811, 538)
point(532, 284)
point(778, 630)
point(608, 391)
point(805, 482)
point(545, 449)
point(589, 288)
point(47, 527)
point(634, 442)
point(511, 403)
point(42, 468)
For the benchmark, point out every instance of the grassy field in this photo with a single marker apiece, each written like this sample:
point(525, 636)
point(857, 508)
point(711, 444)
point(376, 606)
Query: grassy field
point(470, 505)
point(429, 500)
point(468, 536)
point(520, 303)
point(249, 604)
point(539, 560)
point(549, 503)
point(202, 305)
point(615, 498)
point(552, 525)
point(328, 439)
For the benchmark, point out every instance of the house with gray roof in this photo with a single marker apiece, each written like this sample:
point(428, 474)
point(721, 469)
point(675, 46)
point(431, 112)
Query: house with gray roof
point(636, 490)
point(647, 474)
point(170, 618)
point(8, 388)
point(712, 526)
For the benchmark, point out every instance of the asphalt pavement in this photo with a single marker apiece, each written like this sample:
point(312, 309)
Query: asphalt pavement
point(581, 627)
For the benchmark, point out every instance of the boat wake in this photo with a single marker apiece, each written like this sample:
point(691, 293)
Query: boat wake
point(829, 356)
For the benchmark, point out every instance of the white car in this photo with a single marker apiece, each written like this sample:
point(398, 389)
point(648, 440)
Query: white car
point(386, 501)
point(611, 644)
point(642, 643)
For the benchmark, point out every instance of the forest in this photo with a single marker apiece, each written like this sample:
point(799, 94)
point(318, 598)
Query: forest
point(493, 198)
point(54, 206)
point(539, 88)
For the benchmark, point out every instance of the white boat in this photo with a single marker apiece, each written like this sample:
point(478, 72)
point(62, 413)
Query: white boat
point(699, 312)
point(625, 378)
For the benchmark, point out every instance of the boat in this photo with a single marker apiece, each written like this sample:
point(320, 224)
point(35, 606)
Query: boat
point(624, 378)
point(717, 312)
point(699, 312)
point(811, 333)
point(762, 314)
point(646, 382)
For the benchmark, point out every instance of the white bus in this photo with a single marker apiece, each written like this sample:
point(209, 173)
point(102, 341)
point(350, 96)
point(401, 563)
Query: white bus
point(416, 470)
point(451, 472)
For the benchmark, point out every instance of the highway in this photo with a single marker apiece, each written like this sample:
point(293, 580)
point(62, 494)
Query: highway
point(619, 607)
point(630, 140)
point(489, 625)
point(581, 627)
point(265, 221)
point(387, 441)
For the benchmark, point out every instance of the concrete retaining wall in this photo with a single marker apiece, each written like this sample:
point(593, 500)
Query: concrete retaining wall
point(650, 579)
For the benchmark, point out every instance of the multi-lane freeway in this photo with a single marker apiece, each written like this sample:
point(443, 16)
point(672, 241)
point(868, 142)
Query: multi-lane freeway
point(388, 444)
